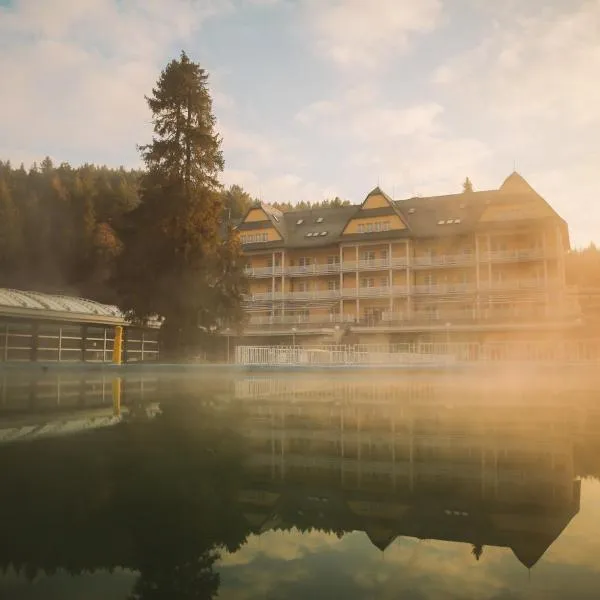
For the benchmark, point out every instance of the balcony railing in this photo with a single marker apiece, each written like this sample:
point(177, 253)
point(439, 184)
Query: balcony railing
point(515, 255)
point(443, 318)
point(329, 268)
point(518, 284)
point(447, 260)
point(402, 290)
point(263, 271)
point(373, 292)
point(416, 262)
point(444, 288)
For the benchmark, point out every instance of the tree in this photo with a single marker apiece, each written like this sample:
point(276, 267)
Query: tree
point(477, 551)
point(180, 261)
point(236, 201)
point(11, 239)
point(467, 186)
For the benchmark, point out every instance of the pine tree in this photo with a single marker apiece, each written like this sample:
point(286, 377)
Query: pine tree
point(236, 201)
point(179, 260)
point(467, 186)
point(11, 239)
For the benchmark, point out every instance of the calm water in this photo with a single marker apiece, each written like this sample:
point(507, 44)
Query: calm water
point(361, 485)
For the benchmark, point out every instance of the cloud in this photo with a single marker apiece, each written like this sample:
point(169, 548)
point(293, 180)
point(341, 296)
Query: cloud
point(530, 86)
point(408, 149)
point(286, 187)
point(355, 33)
point(538, 68)
point(78, 72)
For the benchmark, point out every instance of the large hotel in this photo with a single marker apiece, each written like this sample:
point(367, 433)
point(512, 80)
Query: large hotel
point(478, 266)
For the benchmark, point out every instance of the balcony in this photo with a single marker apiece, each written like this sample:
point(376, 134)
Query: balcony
point(519, 284)
point(375, 264)
point(375, 292)
point(440, 319)
point(447, 260)
point(433, 289)
point(294, 296)
point(444, 288)
point(518, 255)
point(263, 271)
point(286, 322)
point(328, 269)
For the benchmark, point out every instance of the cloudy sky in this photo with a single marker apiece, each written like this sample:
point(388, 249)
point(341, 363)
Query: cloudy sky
point(317, 98)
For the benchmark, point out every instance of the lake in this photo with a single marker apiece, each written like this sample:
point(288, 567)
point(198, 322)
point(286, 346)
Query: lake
point(159, 484)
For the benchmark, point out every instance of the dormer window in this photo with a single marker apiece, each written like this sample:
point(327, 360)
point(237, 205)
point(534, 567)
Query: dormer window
point(299, 221)
point(319, 220)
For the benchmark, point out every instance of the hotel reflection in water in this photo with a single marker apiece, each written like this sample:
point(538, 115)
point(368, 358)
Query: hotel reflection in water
point(418, 460)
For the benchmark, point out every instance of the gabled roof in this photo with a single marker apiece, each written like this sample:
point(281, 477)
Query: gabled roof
point(426, 217)
point(516, 183)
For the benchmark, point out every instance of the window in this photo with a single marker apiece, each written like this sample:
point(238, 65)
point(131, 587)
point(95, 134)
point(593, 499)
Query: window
point(411, 211)
point(302, 286)
point(333, 260)
point(333, 284)
point(299, 221)
point(374, 227)
point(277, 261)
point(367, 255)
point(442, 222)
point(254, 238)
point(309, 234)
point(323, 233)
point(304, 261)
point(319, 220)
point(384, 254)
point(367, 282)
point(384, 282)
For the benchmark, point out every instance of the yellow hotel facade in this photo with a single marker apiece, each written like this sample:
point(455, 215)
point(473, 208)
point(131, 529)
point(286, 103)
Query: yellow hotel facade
point(479, 266)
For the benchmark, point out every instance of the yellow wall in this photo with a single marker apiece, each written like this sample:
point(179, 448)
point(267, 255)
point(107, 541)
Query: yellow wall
point(349, 307)
point(256, 214)
point(443, 246)
point(272, 234)
point(395, 222)
point(399, 250)
point(399, 278)
point(349, 281)
point(349, 253)
point(375, 201)
point(318, 256)
point(259, 260)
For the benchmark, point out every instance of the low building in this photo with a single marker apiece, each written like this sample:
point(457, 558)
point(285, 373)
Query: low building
point(479, 266)
point(53, 328)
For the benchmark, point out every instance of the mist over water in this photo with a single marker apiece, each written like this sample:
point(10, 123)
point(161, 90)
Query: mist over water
point(340, 484)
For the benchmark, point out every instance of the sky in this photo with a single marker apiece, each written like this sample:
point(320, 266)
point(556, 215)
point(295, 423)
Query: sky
point(323, 98)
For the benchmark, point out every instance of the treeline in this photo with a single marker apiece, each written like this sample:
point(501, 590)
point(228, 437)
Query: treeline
point(61, 226)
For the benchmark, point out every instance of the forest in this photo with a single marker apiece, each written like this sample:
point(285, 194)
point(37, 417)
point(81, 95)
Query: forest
point(61, 226)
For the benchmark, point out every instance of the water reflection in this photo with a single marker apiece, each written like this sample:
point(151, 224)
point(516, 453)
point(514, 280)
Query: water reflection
point(162, 494)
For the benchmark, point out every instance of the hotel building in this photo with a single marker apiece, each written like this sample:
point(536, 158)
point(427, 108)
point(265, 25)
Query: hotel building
point(480, 266)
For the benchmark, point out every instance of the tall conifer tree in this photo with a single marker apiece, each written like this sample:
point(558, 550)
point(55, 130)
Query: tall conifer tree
point(180, 262)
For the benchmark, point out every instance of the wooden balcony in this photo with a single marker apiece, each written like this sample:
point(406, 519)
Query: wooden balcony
point(433, 289)
point(518, 255)
point(440, 320)
point(445, 260)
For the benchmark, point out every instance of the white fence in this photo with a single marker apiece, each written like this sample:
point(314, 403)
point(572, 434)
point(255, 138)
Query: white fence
point(580, 352)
